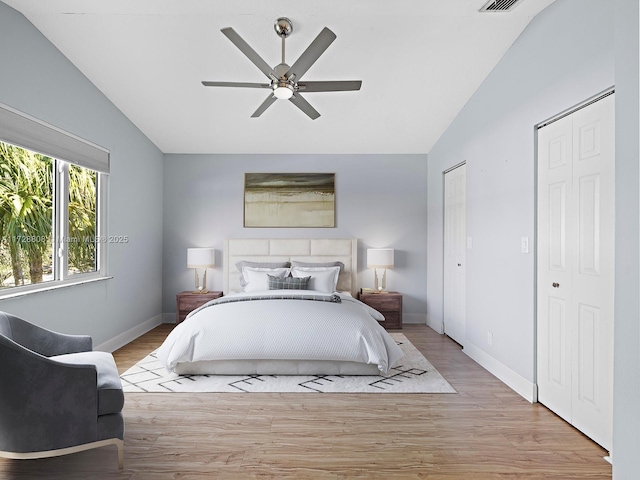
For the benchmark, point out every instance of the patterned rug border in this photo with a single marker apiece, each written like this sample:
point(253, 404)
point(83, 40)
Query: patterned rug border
point(415, 374)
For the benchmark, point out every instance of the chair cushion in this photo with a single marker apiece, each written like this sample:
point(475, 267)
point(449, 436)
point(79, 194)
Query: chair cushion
point(110, 395)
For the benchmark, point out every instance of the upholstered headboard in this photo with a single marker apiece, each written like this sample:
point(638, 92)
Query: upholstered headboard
point(344, 250)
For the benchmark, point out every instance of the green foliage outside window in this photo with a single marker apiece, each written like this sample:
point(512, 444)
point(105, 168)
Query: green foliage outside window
point(82, 219)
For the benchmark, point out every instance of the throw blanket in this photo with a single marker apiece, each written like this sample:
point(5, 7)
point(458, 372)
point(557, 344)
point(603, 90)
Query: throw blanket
point(335, 298)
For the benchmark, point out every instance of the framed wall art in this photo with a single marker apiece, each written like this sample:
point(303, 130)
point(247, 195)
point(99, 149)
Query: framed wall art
point(289, 200)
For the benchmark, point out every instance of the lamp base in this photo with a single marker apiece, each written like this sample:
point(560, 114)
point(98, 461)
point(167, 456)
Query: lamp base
point(380, 289)
point(201, 288)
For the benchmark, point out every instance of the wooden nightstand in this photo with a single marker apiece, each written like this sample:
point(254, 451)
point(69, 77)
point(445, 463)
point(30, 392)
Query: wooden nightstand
point(388, 304)
point(188, 301)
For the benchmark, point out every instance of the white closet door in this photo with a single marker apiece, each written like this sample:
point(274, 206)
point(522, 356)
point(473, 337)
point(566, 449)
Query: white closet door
point(555, 224)
point(594, 189)
point(455, 186)
point(575, 268)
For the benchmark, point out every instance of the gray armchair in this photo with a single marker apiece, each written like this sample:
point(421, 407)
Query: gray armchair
point(57, 396)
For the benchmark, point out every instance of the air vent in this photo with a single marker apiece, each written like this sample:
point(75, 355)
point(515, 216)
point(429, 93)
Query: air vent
point(500, 5)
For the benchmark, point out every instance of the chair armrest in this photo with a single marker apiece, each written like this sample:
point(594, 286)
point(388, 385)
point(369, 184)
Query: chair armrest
point(45, 405)
point(46, 342)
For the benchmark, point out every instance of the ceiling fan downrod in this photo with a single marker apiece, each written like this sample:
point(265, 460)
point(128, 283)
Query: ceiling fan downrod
point(283, 28)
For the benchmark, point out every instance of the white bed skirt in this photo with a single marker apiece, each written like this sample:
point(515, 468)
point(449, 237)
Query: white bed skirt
point(276, 367)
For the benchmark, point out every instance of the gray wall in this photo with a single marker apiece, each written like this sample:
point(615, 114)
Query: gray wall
point(380, 200)
point(564, 56)
point(626, 394)
point(37, 79)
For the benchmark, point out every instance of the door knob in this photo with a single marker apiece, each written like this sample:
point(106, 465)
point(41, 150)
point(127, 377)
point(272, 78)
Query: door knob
point(555, 284)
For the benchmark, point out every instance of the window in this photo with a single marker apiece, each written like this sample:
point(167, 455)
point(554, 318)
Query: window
point(51, 207)
point(82, 215)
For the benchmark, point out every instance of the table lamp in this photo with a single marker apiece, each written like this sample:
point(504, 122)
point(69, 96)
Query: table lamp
point(380, 258)
point(201, 259)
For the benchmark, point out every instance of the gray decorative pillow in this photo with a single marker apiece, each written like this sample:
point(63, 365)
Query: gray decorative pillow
point(288, 283)
point(320, 264)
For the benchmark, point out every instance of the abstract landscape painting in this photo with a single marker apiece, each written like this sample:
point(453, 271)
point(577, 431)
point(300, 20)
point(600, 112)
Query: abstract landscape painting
point(289, 200)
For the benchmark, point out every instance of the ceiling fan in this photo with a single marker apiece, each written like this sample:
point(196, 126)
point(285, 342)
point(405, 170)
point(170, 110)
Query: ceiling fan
point(285, 81)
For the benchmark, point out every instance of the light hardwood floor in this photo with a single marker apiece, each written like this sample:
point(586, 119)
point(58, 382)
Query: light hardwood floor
point(485, 431)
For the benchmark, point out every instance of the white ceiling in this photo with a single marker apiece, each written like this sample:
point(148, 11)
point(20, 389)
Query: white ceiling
point(419, 61)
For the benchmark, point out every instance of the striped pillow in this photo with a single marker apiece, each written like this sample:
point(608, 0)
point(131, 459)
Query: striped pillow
point(288, 283)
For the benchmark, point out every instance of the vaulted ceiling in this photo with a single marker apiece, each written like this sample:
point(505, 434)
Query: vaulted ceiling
point(419, 60)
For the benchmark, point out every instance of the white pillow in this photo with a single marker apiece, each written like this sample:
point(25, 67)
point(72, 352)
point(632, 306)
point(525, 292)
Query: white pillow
point(257, 279)
point(323, 279)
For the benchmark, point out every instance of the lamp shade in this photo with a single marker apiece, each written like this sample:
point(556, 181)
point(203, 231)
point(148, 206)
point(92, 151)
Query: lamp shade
point(200, 257)
point(380, 258)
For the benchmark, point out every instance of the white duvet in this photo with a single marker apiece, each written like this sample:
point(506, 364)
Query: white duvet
point(281, 329)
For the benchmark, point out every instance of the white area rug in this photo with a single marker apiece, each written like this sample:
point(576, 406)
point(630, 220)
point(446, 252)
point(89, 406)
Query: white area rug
point(413, 374)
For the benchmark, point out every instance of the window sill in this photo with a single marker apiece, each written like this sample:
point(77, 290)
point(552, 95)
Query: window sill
point(47, 288)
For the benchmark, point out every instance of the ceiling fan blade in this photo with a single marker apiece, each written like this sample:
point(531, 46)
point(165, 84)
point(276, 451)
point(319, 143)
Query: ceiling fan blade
point(311, 54)
point(303, 105)
point(251, 54)
point(337, 86)
point(236, 84)
point(266, 104)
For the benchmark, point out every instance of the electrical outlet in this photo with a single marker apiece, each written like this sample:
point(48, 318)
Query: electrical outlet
point(524, 244)
point(490, 338)
point(469, 243)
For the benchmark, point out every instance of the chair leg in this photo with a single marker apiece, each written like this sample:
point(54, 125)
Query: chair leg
point(120, 444)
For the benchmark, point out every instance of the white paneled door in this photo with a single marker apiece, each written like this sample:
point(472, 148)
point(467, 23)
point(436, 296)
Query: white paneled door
point(455, 187)
point(575, 285)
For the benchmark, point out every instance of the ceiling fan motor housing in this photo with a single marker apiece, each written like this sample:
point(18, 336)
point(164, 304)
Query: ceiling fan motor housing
point(283, 88)
point(281, 70)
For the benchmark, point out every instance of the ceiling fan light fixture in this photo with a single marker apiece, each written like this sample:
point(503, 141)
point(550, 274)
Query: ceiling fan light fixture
point(283, 91)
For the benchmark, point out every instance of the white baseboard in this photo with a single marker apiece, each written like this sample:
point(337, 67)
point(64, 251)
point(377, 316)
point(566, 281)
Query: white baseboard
point(169, 318)
point(414, 318)
point(513, 380)
point(129, 336)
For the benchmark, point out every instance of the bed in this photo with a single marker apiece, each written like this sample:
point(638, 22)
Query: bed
point(289, 308)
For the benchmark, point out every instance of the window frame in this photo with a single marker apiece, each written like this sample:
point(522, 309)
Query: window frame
point(61, 226)
point(25, 128)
